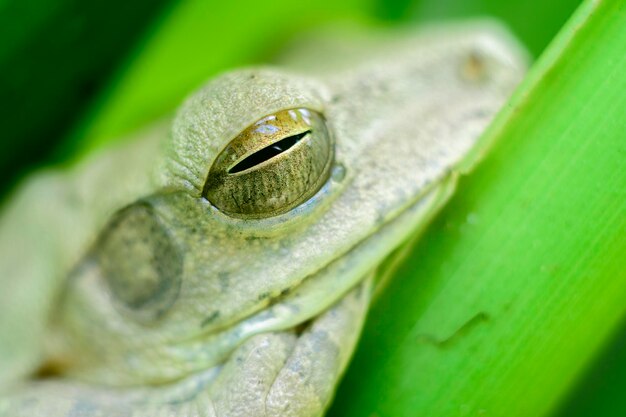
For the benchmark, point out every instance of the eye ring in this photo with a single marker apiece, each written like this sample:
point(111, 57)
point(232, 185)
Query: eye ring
point(272, 166)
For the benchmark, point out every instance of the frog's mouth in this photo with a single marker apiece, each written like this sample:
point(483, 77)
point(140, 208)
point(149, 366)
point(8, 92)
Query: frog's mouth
point(296, 308)
point(318, 291)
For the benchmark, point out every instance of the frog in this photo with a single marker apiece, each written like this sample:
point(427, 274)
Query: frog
point(221, 262)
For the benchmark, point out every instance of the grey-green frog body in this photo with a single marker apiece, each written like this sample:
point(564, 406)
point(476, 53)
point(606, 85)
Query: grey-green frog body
point(230, 270)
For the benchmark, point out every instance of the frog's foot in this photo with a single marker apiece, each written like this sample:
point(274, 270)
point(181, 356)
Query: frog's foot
point(283, 373)
point(286, 374)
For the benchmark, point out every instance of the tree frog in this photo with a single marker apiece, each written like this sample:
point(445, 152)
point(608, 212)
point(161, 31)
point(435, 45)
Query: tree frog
point(221, 263)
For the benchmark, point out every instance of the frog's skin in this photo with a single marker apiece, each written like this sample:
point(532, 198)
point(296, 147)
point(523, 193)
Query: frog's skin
point(255, 316)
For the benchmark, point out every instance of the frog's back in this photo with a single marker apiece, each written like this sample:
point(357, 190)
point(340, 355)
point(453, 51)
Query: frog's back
point(44, 228)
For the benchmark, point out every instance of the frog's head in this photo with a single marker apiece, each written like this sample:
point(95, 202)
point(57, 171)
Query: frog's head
point(279, 193)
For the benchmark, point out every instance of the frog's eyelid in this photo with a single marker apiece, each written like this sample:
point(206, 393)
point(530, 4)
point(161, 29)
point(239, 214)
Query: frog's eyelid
point(267, 153)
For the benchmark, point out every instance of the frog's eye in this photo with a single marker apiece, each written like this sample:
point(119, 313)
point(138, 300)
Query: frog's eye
point(274, 165)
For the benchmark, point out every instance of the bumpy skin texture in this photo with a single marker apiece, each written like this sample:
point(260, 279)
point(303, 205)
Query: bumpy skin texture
point(151, 301)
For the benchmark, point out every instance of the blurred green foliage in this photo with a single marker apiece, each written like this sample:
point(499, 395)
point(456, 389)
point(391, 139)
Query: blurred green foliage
point(55, 57)
point(600, 392)
point(200, 39)
point(520, 282)
point(101, 69)
point(64, 62)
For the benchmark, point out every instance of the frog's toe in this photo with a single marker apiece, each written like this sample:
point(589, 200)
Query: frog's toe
point(305, 384)
point(241, 387)
point(290, 373)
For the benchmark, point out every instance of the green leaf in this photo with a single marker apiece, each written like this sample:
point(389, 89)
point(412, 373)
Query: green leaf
point(194, 41)
point(197, 39)
point(521, 280)
point(535, 22)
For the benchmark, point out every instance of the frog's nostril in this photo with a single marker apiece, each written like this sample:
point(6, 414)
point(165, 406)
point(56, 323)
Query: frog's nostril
point(474, 67)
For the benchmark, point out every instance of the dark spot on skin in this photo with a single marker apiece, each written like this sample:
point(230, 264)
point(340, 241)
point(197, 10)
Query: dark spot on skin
point(466, 328)
point(48, 370)
point(224, 280)
point(263, 296)
point(300, 328)
point(210, 318)
point(335, 99)
point(285, 291)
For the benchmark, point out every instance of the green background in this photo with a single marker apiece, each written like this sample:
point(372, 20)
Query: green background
point(62, 61)
point(440, 341)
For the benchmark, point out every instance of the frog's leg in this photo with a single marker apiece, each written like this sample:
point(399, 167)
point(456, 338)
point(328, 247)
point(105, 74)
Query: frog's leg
point(297, 378)
point(274, 374)
point(45, 227)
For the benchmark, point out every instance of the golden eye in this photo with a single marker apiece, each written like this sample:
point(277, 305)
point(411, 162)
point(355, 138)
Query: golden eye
point(274, 165)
